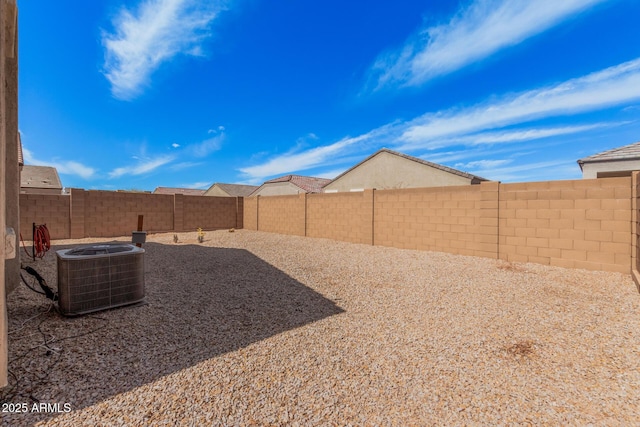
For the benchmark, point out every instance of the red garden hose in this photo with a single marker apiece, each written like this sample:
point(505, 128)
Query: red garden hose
point(41, 241)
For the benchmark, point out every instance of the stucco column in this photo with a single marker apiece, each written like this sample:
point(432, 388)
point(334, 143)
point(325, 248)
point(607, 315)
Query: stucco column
point(8, 139)
point(12, 183)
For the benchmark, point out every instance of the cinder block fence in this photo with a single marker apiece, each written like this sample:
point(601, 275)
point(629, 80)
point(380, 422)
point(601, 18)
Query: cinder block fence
point(589, 224)
point(110, 213)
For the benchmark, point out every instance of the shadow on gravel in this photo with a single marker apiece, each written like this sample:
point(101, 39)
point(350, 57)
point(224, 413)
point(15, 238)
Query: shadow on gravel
point(202, 302)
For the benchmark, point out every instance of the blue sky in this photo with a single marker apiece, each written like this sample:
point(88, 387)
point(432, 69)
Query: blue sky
point(138, 94)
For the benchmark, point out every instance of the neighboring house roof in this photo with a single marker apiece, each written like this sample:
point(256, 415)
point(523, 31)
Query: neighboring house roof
point(628, 152)
point(308, 184)
point(474, 178)
point(185, 191)
point(20, 156)
point(235, 190)
point(42, 177)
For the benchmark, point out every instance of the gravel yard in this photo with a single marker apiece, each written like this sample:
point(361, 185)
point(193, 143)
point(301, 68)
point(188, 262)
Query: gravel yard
point(252, 328)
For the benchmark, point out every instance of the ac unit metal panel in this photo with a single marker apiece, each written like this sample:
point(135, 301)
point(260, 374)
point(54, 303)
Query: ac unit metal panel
point(99, 277)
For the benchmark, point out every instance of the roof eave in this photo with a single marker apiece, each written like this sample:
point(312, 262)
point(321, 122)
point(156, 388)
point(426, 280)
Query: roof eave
point(626, 159)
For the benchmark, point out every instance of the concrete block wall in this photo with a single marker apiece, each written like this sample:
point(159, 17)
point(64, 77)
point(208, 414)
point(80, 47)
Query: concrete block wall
point(575, 224)
point(178, 212)
point(592, 224)
point(52, 210)
point(459, 220)
point(341, 216)
point(209, 213)
point(250, 213)
point(77, 214)
point(282, 214)
point(110, 213)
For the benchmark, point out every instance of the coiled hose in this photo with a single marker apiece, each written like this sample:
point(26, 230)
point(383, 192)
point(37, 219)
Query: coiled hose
point(41, 241)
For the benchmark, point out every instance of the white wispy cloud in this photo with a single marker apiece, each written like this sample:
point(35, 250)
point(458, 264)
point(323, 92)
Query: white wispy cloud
point(474, 33)
point(184, 165)
point(508, 136)
point(74, 168)
point(200, 185)
point(220, 129)
point(612, 86)
point(298, 161)
point(143, 166)
point(448, 157)
point(67, 167)
point(479, 124)
point(206, 147)
point(536, 170)
point(482, 164)
point(154, 33)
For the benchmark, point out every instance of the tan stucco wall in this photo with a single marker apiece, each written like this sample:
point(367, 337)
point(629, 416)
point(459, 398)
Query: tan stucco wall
point(278, 189)
point(387, 171)
point(12, 266)
point(217, 192)
point(8, 142)
point(590, 170)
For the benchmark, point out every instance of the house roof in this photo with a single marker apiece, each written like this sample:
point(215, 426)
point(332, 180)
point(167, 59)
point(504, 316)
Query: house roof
point(20, 156)
point(40, 177)
point(627, 152)
point(309, 184)
point(473, 178)
point(237, 190)
point(185, 191)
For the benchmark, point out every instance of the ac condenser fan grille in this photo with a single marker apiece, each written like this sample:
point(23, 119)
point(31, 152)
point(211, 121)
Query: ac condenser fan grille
point(99, 277)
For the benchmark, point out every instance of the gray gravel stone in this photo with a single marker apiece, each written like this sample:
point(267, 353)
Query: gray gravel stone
point(252, 328)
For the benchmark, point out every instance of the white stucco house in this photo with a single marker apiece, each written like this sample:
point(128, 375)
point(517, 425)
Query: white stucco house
point(619, 161)
point(388, 169)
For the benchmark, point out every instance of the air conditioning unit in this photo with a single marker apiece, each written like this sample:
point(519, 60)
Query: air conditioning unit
point(99, 277)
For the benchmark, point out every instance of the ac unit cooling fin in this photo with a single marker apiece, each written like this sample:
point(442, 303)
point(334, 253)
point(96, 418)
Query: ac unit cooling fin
point(99, 277)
